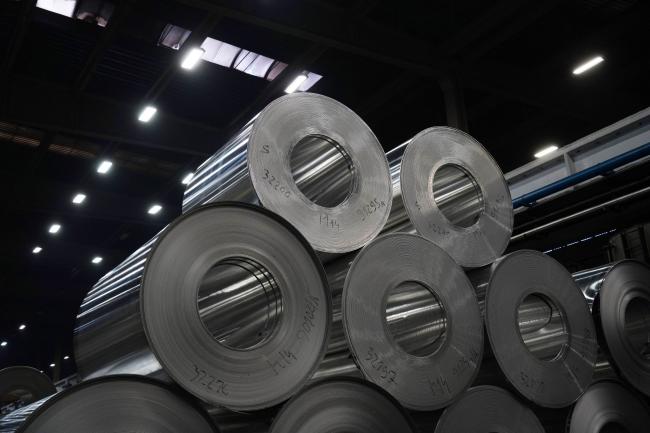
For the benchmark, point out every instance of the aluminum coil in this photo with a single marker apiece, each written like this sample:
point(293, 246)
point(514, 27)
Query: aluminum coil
point(486, 409)
point(342, 405)
point(620, 293)
point(449, 189)
point(311, 160)
point(425, 350)
point(230, 301)
point(607, 406)
point(24, 384)
point(110, 405)
point(550, 362)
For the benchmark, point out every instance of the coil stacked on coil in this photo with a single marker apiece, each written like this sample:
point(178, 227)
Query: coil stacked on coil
point(230, 300)
point(313, 161)
point(486, 409)
point(109, 405)
point(342, 405)
point(24, 384)
point(450, 190)
point(412, 321)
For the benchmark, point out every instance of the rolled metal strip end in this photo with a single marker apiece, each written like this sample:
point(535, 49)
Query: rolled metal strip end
point(316, 162)
point(235, 306)
point(540, 328)
point(345, 405)
point(412, 321)
point(456, 195)
point(608, 406)
point(488, 409)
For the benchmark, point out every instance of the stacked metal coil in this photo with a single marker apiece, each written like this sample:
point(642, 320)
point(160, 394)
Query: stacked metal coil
point(22, 385)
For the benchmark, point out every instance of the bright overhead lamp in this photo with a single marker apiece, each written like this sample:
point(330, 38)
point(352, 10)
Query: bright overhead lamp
point(97, 260)
point(52, 365)
point(588, 65)
point(22, 327)
point(154, 209)
point(546, 151)
point(295, 84)
point(187, 179)
point(104, 167)
point(79, 198)
point(54, 228)
point(37, 250)
point(192, 58)
point(66, 357)
point(147, 113)
point(3, 344)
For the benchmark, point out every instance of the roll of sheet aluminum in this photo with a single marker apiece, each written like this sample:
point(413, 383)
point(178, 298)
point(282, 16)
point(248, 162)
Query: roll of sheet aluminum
point(342, 405)
point(110, 405)
point(313, 161)
point(486, 409)
point(230, 301)
point(449, 189)
point(412, 321)
point(540, 328)
point(607, 406)
point(24, 385)
point(620, 293)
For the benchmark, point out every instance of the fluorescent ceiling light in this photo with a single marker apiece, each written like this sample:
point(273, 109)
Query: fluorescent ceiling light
point(66, 357)
point(54, 228)
point(296, 83)
point(3, 344)
point(192, 58)
point(97, 260)
point(79, 198)
point(22, 327)
point(37, 250)
point(187, 179)
point(52, 365)
point(61, 7)
point(546, 151)
point(153, 210)
point(147, 114)
point(587, 65)
point(104, 167)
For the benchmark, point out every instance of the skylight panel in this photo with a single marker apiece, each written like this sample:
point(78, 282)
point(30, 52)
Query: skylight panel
point(61, 7)
point(220, 53)
point(173, 37)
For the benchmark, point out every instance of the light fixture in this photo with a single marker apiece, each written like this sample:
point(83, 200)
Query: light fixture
point(66, 357)
point(79, 198)
point(147, 113)
point(54, 228)
point(187, 179)
point(154, 209)
point(97, 260)
point(588, 65)
point(192, 58)
point(547, 150)
point(104, 167)
point(52, 365)
point(22, 327)
point(37, 250)
point(3, 344)
point(296, 83)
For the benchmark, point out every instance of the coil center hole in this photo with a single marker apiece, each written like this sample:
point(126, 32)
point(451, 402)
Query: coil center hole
point(416, 318)
point(322, 170)
point(239, 303)
point(613, 427)
point(457, 195)
point(542, 327)
point(637, 326)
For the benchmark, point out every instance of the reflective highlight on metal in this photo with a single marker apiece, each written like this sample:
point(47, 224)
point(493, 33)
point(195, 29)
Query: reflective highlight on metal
point(109, 405)
point(311, 160)
point(229, 301)
point(607, 406)
point(24, 385)
point(487, 409)
point(543, 371)
point(449, 189)
point(342, 405)
point(424, 350)
point(620, 294)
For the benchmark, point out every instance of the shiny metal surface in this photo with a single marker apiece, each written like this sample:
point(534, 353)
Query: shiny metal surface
point(557, 338)
point(620, 298)
point(342, 405)
point(607, 406)
point(311, 160)
point(24, 385)
point(412, 321)
point(110, 405)
point(488, 409)
point(229, 301)
point(449, 189)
